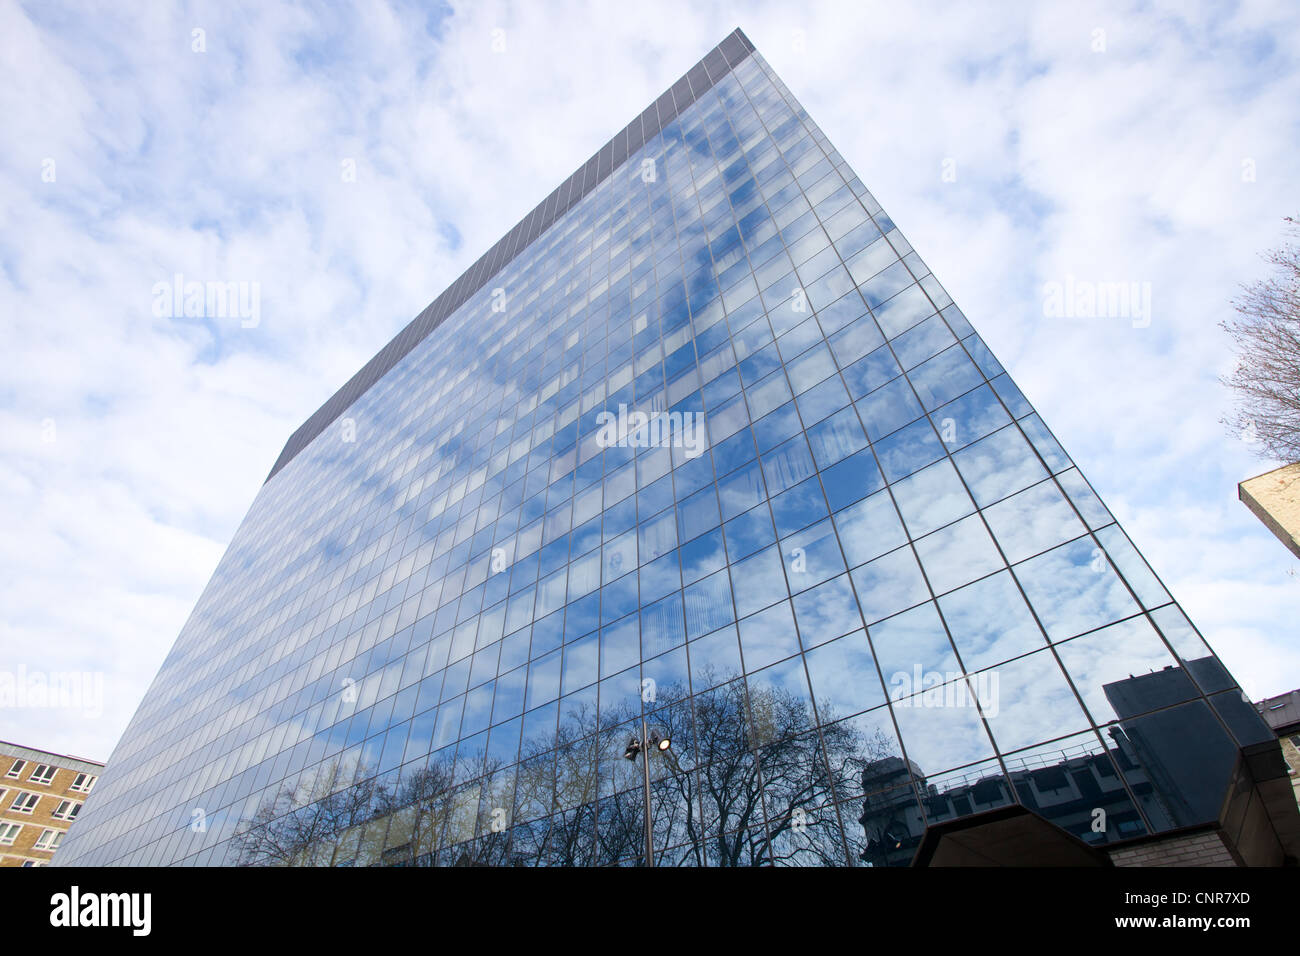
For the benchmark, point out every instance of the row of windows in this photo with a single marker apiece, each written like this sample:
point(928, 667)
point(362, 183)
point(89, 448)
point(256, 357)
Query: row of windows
point(43, 774)
point(25, 802)
point(1059, 781)
point(578, 788)
point(826, 598)
point(844, 678)
point(48, 840)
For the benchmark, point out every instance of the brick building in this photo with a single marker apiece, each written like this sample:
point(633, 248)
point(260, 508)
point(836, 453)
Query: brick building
point(40, 795)
point(1282, 714)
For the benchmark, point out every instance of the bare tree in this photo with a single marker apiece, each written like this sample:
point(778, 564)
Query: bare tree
point(763, 779)
point(1266, 338)
point(747, 782)
point(303, 826)
point(419, 809)
point(750, 780)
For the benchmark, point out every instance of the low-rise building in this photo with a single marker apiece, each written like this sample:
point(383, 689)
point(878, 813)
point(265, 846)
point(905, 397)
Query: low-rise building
point(41, 794)
point(1282, 713)
point(1274, 498)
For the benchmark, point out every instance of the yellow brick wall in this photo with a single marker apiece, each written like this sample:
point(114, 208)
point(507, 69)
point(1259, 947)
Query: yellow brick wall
point(1292, 754)
point(33, 824)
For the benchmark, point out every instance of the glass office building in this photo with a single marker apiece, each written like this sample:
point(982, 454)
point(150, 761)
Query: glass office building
point(700, 443)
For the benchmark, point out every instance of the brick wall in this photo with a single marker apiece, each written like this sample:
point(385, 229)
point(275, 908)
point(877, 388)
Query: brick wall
point(21, 830)
point(1292, 754)
point(1192, 849)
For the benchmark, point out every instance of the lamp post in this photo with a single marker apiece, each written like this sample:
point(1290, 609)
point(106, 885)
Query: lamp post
point(649, 742)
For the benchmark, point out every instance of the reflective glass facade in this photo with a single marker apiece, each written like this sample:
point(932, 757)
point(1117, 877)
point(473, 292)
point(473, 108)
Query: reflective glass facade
point(876, 594)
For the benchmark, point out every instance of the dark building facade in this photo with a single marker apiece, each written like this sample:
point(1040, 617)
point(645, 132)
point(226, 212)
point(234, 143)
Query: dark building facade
point(701, 446)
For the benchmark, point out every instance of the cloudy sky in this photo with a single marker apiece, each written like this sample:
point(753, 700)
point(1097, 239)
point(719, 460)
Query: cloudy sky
point(1151, 143)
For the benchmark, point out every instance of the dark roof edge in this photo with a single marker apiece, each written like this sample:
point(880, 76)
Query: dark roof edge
point(694, 84)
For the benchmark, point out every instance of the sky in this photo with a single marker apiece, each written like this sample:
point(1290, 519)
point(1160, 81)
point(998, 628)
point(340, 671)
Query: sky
point(349, 162)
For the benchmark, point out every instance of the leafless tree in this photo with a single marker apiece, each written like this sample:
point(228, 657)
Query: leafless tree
point(750, 780)
point(747, 782)
point(763, 780)
point(1266, 338)
point(418, 809)
point(303, 826)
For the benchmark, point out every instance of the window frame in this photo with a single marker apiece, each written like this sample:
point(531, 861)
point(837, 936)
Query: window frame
point(29, 800)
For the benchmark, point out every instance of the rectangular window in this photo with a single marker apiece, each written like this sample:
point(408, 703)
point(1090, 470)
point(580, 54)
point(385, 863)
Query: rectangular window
point(17, 768)
point(48, 840)
point(43, 774)
point(67, 810)
point(25, 802)
point(83, 782)
point(9, 832)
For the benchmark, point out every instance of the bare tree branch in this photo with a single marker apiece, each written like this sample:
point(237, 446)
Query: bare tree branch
point(1266, 338)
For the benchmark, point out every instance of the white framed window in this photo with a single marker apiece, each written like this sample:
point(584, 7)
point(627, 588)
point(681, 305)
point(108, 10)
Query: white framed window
point(25, 802)
point(33, 862)
point(48, 840)
point(43, 774)
point(83, 782)
point(17, 768)
point(66, 810)
point(9, 832)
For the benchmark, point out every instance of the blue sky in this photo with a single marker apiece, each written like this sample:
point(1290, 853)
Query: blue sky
point(1148, 143)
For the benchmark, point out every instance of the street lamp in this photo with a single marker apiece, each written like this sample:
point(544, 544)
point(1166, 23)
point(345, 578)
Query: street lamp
point(649, 742)
point(887, 842)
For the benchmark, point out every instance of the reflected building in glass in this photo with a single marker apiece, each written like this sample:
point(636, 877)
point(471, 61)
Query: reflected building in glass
point(700, 443)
